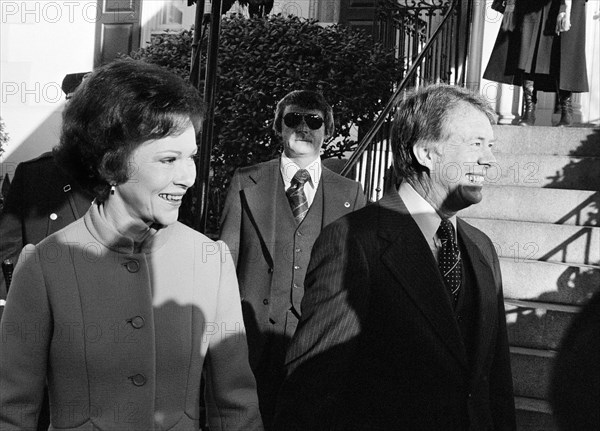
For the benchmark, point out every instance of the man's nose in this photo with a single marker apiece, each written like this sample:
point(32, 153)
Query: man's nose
point(487, 157)
point(303, 126)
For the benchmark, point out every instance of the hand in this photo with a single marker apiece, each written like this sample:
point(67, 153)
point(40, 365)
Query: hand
point(563, 22)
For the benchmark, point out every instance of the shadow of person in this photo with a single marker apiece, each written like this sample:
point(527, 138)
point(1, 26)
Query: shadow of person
point(267, 360)
point(575, 385)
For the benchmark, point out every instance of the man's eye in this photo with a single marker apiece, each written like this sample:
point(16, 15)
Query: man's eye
point(168, 160)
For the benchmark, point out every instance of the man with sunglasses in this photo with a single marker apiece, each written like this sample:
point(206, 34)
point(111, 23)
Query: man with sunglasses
point(273, 214)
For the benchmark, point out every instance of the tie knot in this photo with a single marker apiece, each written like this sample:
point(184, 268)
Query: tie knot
point(301, 177)
point(446, 230)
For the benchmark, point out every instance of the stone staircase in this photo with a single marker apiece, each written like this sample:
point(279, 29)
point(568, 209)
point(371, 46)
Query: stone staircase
point(542, 211)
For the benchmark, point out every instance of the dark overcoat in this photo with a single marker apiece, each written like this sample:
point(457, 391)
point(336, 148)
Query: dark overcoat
point(532, 48)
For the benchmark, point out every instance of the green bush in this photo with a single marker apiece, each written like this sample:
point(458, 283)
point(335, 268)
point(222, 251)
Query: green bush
point(260, 61)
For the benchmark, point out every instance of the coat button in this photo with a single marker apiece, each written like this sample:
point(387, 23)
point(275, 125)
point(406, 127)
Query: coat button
point(296, 267)
point(53, 216)
point(266, 301)
point(132, 266)
point(138, 380)
point(137, 322)
point(347, 204)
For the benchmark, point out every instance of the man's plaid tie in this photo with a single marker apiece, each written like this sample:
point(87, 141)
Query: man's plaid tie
point(296, 195)
point(449, 259)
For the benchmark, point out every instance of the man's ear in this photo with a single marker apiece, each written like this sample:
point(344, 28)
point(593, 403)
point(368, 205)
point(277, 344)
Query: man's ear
point(423, 154)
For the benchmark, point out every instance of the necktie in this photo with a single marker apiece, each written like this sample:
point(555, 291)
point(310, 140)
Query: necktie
point(296, 195)
point(449, 259)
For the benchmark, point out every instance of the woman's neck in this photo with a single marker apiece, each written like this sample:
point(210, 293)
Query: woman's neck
point(127, 225)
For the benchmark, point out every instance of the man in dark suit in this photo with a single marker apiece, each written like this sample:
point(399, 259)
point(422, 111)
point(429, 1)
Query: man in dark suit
point(403, 325)
point(42, 199)
point(273, 213)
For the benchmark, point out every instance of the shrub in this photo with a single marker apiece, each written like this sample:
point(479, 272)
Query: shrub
point(260, 61)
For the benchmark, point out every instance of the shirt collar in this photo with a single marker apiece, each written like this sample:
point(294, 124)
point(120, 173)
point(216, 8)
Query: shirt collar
point(289, 168)
point(422, 212)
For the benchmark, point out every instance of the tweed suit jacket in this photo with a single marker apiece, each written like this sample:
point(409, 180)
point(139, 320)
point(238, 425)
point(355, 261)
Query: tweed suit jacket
point(249, 227)
point(378, 346)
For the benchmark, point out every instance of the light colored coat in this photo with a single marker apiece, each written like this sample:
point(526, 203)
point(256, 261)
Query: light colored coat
point(122, 335)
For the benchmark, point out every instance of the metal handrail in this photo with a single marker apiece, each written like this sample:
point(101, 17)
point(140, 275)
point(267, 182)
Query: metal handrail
point(368, 138)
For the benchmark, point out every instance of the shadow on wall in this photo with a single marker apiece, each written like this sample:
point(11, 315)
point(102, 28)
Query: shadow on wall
point(43, 138)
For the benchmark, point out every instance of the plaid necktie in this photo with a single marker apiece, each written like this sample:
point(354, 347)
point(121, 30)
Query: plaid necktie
point(296, 196)
point(449, 259)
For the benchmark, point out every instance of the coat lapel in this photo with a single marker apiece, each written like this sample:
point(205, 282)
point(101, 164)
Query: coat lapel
point(487, 306)
point(261, 202)
point(409, 259)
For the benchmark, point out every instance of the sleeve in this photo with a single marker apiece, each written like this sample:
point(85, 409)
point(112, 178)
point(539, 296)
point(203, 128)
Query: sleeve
point(501, 382)
point(24, 344)
point(231, 218)
point(319, 357)
point(231, 398)
point(11, 228)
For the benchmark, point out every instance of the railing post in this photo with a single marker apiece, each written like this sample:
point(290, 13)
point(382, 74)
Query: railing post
point(205, 137)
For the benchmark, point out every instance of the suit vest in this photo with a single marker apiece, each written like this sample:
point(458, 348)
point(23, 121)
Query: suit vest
point(292, 249)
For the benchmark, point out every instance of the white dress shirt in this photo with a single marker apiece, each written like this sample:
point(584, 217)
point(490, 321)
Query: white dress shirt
point(424, 215)
point(289, 168)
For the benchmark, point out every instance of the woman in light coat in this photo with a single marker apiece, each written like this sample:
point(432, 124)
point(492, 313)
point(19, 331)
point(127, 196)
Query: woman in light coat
point(121, 311)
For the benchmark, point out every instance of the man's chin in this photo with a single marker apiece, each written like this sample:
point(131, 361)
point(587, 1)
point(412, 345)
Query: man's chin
point(470, 194)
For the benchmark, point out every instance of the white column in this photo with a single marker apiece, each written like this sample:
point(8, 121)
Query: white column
point(505, 103)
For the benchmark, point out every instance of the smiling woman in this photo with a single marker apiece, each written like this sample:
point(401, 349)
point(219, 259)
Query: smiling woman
point(162, 171)
point(128, 303)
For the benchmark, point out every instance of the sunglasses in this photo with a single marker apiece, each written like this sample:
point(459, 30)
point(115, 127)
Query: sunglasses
point(293, 120)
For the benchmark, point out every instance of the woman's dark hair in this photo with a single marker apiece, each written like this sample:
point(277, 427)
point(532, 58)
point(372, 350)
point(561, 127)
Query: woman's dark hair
point(305, 99)
point(422, 117)
point(118, 107)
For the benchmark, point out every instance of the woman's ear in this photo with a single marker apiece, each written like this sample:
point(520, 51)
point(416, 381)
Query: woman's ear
point(423, 154)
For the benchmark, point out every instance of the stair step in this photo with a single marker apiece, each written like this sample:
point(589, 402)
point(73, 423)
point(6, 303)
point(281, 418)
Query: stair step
point(547, 140)
point(535, 170)
point(533, 405)
point(572, 309)
point(534, 415)
point(531, 370)
point(536, 328)
point(543, 205)
point(523, 241)
point(549, 282)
